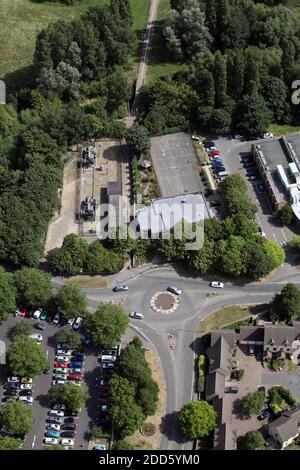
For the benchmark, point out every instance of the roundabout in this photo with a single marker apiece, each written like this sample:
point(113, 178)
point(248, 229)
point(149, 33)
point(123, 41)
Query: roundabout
point(164, 302)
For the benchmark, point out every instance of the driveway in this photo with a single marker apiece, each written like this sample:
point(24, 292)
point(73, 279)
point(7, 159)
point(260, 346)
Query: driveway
point(290, 380)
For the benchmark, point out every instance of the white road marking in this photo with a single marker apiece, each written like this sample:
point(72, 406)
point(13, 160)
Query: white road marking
point(33, 442)
point(47, 352)
point(274, 236)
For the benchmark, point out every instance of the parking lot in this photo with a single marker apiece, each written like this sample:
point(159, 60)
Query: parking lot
point(42, 384)
point(232, 151)
point(175, 165)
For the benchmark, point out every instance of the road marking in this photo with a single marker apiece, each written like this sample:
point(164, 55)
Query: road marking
point(284, 236)
point(47, 352)
point(33, 442)
point(274, 236)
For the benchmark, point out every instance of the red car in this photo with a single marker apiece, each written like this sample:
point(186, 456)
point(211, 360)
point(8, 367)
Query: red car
point(24, 312)
point(78, 377)
point(50, 316)
point(103, 401)
point(213, 153)
point(62, 365)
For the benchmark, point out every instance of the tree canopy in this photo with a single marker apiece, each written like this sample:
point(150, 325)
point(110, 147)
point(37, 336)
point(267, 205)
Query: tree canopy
point(26, 358)
point(71, 302)
point(7, 295)
point(33, 286)
point(72, 396)
point(107, 325)
point(16, 417)
point(252, 440)
point(286, 305)
point(253, 402)
point(197, 419)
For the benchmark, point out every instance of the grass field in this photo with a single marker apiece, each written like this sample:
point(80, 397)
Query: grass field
point(21, 20)
point(159, 62)
point(227, 315)
point(279, 130)
point(80, 281)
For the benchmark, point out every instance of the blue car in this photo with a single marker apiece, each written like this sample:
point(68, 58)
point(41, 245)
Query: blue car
point(52, 434)
point(75, 365)
point(78, 353)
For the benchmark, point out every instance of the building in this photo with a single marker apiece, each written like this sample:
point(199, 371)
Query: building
point(164, 213)
point(285, 428)
point(278, 161)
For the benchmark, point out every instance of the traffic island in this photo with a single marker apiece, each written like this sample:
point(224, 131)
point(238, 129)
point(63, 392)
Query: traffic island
point(164, 302)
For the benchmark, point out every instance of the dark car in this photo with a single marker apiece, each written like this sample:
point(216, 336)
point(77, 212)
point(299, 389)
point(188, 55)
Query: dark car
point(264, 415)
point(71, 413)
point(262, 390)
point(25, 393)
point(231, 389)
point(78, 353)
point(47, 370)
point(10, 393)
point(69, 420)
point(69, 427)
point(40, 326)
point(67, 434)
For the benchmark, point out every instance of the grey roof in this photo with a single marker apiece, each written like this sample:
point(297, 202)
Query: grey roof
point(215, 385)
point(228, 335)
point(220, 356)
point(114, 188)
point(279, 335)
point(287, 425)
point(273, 153)
point(250, 333)
point(224, 438)
point(223, 411)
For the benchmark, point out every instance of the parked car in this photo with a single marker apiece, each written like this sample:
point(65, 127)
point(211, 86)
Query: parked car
point(262, 390)
point(27, 400)
point(54, 427)
point(25, 393)
point(251, 350)
point(268, 135)
point(62, 358)
point(37, 337)
point(194, 137)
point(104, 382)
point(67, 442)
point(13, 379)
point(52, 434)
point(26, 380)
point(76, 377)
point(231, 389)
point(25, 386)
point(62, 346)
point(58, 382)
point(68, 434)
point(39, 326)
point(56, 413)
point(60, 376)
point(37, 313)
point(54, 419)
point(70, 321)
point(75, 365)
point(44, 315)
point(11, 392)
point(217, 284)
point(77, 323)
point(16, 312)
point(175, 290)
point(59, 370)
point(72, 413)
point(59, 407)
point(120, 288)
point(136, 315)
point(74, 382)
point(85, 339)
point(56, 319)
point(213, 153)
point(69, 426)
point(78, 353)
point(51, 441)
point(60, 364)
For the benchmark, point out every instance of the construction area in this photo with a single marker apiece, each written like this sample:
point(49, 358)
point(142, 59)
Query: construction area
point(97, 173)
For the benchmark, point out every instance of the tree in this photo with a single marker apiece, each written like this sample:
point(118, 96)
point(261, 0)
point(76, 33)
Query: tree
point(68, 336)
point(26, 358)
point(22, 329)
point(275, 251)
point(254, 115)
point(71, 302)
point(197, 419)
point(107, 325)
point(124, 413)
point(7, 295)
point(33, 286)
point(16, 417)
point(10, 443)
point(253, 402)
point(286, 304)
point(286, 215)
point(137, 138)
point(122, 445)
point(72, 396)
point(118, 89)
point(252, 440)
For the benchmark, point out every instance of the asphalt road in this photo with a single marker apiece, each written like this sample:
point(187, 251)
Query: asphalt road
point(178, 365)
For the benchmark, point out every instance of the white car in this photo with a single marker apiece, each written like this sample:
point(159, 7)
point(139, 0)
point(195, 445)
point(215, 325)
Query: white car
point(60, 377)
point(75, 371)
point(58, 382)
point(13, 380)
point(175, 290)
point(64, 358)
point(67, 442)
point(107, 365)
point(77, 323)
point(268, 135)
point(70, 321)
point(53, 427)
point(50, 441)
point(137, 315)
point(59, 407)
point(74, 382)
point(63, 352)
point(28, 400)
point(238, 136)
point(194, 137)
point(219, 285)
point(37, 313)
point(36, 337)
point(60, 413)
point(56, 319)
point(108, 358)
point(26, 387)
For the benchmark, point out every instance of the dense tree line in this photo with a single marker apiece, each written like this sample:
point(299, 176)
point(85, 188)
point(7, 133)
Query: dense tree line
point(133, 392)
point(232, 246)
point(241, 57)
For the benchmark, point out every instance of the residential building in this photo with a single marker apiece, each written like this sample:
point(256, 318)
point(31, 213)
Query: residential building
point(285, 428)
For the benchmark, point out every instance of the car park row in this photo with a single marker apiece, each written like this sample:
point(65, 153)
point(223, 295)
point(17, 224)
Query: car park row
point(216, 161)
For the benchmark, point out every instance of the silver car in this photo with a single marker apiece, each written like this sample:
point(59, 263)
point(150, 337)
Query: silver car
point(175, 290)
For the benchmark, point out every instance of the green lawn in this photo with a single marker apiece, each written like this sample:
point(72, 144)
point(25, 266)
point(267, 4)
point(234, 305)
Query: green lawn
point(159, 62)
point(21, 20)
point(279, 130)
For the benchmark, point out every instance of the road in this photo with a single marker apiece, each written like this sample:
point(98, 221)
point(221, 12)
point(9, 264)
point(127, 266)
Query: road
point(178, 365)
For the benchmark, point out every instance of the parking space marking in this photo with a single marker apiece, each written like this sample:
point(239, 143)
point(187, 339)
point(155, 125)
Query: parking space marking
point(47, 352)
point(33, 442)
point(274, 236)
